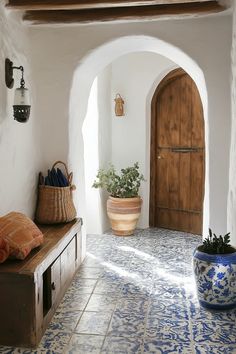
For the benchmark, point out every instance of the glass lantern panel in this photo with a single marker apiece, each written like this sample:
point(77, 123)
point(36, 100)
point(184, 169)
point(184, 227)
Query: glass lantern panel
point(21, 97)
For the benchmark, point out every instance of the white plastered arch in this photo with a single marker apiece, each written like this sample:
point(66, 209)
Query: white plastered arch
point(84, 75)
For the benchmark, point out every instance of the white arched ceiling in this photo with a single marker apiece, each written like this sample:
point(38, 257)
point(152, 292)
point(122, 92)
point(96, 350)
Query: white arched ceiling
point(83, 78)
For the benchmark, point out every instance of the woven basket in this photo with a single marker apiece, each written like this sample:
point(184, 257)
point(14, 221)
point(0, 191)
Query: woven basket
point(55, 204)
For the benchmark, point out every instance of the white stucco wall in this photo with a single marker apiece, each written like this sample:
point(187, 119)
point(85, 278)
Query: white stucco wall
point(97, 149)
point(63, 64)
point(232, 174)
point(91, 160)
point(19, 146)
point(104, 135)
point(66, 60)
point(134, 76)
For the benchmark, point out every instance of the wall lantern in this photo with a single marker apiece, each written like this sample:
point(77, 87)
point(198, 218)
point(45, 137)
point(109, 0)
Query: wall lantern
point(119, 105)
point(21, 106)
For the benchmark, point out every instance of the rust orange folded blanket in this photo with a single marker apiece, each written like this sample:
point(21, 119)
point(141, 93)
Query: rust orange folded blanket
point(4, 250)
point(21, 234)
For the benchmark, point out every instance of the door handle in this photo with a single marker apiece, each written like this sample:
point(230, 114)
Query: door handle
point(160, 157)
point(184, 150)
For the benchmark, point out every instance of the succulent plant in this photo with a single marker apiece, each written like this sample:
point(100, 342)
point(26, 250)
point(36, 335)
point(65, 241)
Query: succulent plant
point(214, 244)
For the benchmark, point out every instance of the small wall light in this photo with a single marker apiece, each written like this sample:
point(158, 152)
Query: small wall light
point(119, 105)
point(21, 106)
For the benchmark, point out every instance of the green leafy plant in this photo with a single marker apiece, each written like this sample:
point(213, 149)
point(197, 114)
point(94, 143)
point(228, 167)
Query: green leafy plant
point(214, 244)
point(125, 185)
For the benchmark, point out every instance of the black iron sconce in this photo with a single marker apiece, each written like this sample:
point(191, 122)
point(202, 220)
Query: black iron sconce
point(21, 106)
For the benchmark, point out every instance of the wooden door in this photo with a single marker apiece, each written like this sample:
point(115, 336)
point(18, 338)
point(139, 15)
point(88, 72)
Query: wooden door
point(177, 155)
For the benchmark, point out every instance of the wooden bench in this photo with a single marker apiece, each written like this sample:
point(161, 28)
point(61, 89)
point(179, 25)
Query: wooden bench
point(31, 290)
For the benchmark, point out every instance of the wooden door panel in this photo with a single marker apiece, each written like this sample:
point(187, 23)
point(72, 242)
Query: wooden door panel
point(183, 221)
point(185, 104)
point(182, 210)
point(163, 189)
point(185, 180)
point(169, 113)
point(173, 180)
point(174, 115)
point(195, 223)
point(197, 119)
point(180, 220)
point(162, 131)
point(171, 169)
point(162, 217)
point(174, 219)
point(197, 181)
point(177, 155)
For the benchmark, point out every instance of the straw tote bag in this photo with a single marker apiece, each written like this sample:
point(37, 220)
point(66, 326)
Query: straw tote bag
point(55, 204)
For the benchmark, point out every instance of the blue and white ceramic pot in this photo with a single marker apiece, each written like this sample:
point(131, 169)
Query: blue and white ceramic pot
point(215, 276)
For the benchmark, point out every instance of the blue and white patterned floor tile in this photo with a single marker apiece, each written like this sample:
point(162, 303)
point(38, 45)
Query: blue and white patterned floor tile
point(105, 286)
point(211, 332)
point(165, 308)
point(82, 344)
point(132, 305)
point(94, 323)
point(212, 349)
point(200, 314)
point(53, 342)
point(83, 285)
point(104, 303)
point(168, 290)
point(121, 345)
point(89, 272)
point(65, 320)
point(93, 261)
point(136, 295)
point(9, 350)
point(127, 325)
point(168, 330)
point(139, 289)
point(155, 346)
point(74, 301)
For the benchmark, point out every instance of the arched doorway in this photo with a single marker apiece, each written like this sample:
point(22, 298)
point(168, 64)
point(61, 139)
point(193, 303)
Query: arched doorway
point(177, 159)
point(88, 68)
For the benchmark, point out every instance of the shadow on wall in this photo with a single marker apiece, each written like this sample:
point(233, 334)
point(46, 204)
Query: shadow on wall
point(3, 89)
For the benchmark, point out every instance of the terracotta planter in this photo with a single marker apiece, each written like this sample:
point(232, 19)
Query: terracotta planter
point(123, 214)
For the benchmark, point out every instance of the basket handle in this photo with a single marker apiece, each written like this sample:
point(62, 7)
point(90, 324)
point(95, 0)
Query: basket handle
point(68, 175)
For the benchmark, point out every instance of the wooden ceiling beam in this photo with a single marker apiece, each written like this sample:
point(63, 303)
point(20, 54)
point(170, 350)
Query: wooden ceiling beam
point(28, 5)
point(122, 13)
